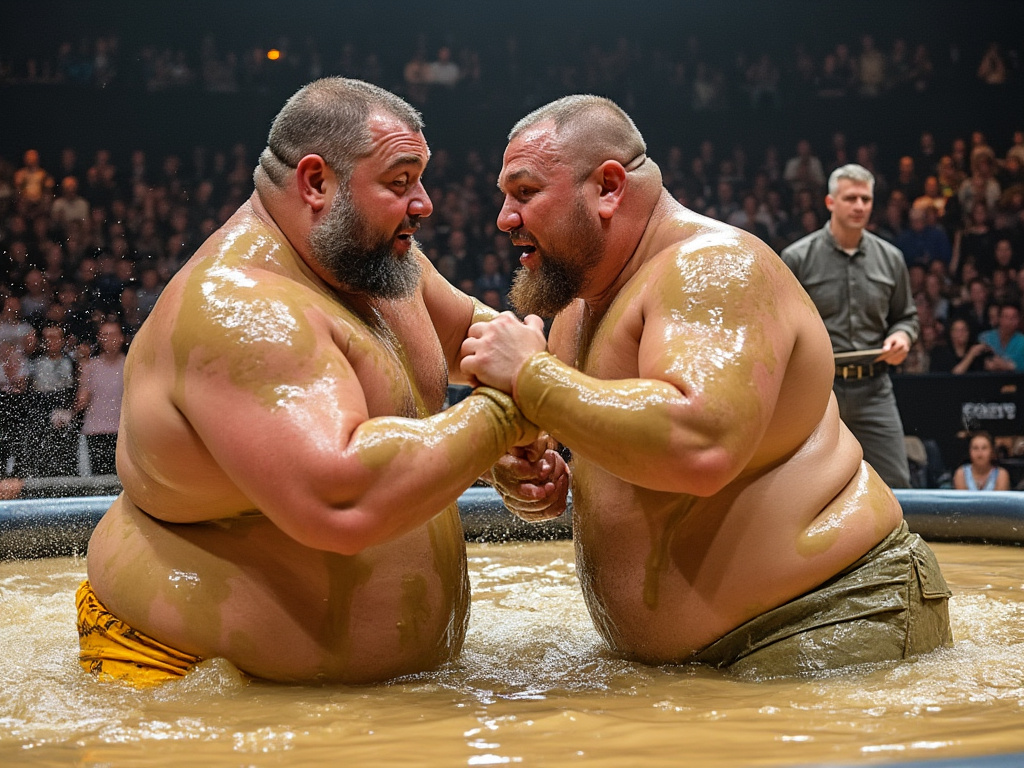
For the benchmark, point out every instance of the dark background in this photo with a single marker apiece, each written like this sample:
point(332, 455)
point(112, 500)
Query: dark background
point(126, 116)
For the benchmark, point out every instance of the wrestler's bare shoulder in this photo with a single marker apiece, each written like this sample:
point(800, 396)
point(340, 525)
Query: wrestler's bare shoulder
point(709, 243)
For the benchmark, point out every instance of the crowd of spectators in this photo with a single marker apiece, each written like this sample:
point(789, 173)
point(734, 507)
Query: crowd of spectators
point(693, 73)
point(90, 241)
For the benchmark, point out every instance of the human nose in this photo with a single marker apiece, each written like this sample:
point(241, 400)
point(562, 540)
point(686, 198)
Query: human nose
point(508, 218)
point(419, 203)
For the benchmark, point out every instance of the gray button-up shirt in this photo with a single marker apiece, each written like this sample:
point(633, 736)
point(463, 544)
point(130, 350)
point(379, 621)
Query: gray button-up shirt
point(863, 298)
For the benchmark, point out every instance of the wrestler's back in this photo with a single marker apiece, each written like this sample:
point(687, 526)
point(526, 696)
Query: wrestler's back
point(201, 570)
point(665, 574)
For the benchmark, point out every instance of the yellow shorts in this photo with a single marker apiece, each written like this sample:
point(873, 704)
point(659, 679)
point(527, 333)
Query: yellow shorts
point(112, 650)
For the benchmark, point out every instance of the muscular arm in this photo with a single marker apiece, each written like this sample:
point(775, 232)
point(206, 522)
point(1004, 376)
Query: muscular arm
point(268, 387)
point(707, 384)
point(452, 312)
point(532, 480)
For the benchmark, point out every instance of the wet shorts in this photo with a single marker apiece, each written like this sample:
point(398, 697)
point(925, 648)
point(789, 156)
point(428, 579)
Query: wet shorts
point(112, 650)
point(890, 604)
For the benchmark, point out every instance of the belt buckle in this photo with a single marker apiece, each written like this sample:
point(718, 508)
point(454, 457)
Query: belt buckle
point(849, 371)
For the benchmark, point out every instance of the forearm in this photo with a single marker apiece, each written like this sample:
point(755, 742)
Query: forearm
point(963, 366)
point(642, 430)
point(481, 314)
point(414, 468)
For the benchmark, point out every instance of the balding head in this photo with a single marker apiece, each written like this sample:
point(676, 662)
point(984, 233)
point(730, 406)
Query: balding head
point(588, 130)
point(329, 118)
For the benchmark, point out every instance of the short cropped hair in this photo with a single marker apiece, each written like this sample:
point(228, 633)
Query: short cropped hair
point(328, 117)
point(592, 128)
point(851, 172)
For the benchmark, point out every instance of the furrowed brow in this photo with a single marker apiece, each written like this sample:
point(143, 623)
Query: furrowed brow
point(403, 160)
point(513, 177)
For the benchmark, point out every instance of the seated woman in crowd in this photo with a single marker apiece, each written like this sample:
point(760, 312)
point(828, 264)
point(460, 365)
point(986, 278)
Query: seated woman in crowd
point(981, 473)
point(959, 354)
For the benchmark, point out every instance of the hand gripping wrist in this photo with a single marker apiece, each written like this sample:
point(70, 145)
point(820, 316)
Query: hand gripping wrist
point(515, 425)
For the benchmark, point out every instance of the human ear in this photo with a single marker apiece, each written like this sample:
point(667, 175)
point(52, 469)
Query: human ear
point(313, 175)
point(612, 179)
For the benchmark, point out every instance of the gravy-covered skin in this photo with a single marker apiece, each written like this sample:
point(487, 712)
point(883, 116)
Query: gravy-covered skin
point(289, 483)
point(691, 376)
point(732, 494)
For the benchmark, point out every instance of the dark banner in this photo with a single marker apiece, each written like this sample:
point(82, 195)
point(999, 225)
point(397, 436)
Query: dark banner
point(945, 407)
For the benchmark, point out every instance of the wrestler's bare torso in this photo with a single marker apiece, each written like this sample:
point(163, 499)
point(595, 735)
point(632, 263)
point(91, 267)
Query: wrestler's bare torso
point(716, 312)
point(185, 556)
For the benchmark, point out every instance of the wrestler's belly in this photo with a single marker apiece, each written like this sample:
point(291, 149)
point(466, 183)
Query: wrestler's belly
point(665, 575)
point(243, 590)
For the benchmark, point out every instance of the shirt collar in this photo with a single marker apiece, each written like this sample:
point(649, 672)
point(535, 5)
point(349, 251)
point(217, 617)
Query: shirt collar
point(827, 229)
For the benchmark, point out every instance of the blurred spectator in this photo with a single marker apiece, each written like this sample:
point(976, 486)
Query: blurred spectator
point(1005, 340)
point(974, 311)
point(980, 473)
point(416, 74)
point(831, 82)
point(935, 294)
point(961, 353)
point(37, 296)
point(906, 180)
point(898, 65)
point(34, 186)
point(926, 159)
point(1006, 257)
point(921, 69)
point(762, 79)
point(922, 242)
point(804, 171)
point(13, 382)
point(918, 360)
point(13, 327)
point(981, 185)
point(148, 291)
point(871, 65)
point(52, 438)
point(100, 387)
point(707, 88)
point(494, 299)
point(931, 197)
point(975, 243)
point(1017, 148)
point(443, 71)
point(491, 277)
point(992, 68)
point(751, 218)
point(69, 206)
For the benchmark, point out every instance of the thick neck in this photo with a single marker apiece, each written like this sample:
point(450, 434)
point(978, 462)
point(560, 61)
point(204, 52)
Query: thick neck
point(631, 241)
point(847, 238)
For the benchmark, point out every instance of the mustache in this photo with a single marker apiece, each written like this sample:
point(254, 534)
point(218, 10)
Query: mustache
point(410, 223)
point(519, 236)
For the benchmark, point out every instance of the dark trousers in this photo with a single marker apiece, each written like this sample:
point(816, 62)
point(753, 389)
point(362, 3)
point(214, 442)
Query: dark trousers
point(868, 407)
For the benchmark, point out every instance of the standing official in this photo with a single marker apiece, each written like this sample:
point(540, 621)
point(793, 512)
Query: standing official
point(860, 285)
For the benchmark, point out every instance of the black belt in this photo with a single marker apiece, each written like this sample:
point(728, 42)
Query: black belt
point(861, 371)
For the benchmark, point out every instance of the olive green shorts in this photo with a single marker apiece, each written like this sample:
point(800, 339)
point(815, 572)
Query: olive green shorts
point(890, 604)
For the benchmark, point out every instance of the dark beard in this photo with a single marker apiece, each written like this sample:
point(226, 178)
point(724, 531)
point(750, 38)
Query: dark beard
point(362, 261)
point(559, 278)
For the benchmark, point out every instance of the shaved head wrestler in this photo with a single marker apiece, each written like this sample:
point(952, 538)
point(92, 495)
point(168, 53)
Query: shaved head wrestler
point(722, 512)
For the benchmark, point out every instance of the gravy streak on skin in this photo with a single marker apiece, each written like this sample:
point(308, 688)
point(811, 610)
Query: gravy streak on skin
point(663, 573)
point(231, 583)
